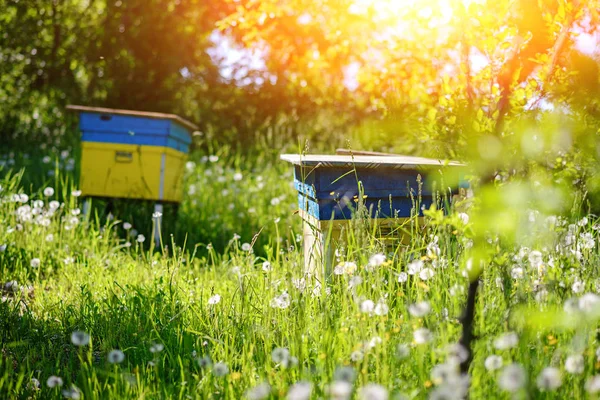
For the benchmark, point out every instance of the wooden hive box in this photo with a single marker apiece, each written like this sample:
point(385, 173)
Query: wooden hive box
point(132, 154)
point(390, 187)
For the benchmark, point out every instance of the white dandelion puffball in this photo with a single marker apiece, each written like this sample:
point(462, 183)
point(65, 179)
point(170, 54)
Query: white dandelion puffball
point(493, 362)
point(402, 277)
point(464, 218)
point(420, 309)
point(140, 238)
point(402, 351)
point(71, 393)
point(506, 341)
point(246, 246)
point(357, 356)
point(422, 336)
point(126, 226)
point(426, 274)
point(54, 381)
point(300, 391)
point(79, 338)
point(76, 193)
point(592, 385)
point(48, 192)
point(578, 287)
point(156, 348)
point(549, 379)
point(266, 266)
point(213, 158)
point(381, 308)
point(575, 364)
point(35, 263)
point(214, 299)
point(259, 392)
point(238, 176)
point(372, 391)
point(280, 355)
point(512, 378)
point(367, 306)
point(116, 356)
point(415, 266)
point(346, 374)
point(376, 260)
point(220, 369)
point(339, 390)
point(589, 302)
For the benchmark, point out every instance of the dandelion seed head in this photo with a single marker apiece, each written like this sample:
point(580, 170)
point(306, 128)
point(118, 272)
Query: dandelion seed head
point(54, 381)
point(220, 369)
point(116, 356)
point(259, 392)
point(157, 348)
point(215, 299)
point(422, 336)
point(300, 391)
point(493, 362)
point(549, 379)
point(79, 338)
point(372, 391)
point(575, 364)
point(512, 378)
point(420, 309)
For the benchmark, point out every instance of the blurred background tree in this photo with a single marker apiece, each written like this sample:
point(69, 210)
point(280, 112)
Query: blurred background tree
point(434, 77)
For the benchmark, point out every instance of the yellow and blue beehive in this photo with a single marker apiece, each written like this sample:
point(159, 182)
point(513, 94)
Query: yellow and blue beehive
point(132, 154)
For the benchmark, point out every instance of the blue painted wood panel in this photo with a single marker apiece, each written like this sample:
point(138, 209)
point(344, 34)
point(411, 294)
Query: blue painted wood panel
point(327, 192)
point(326, 209)
point(123, 123)
point(179, 133)
point(335, 183)
point(123, 129)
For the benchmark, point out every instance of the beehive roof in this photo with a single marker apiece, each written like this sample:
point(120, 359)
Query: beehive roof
point(146, 114)
point(368, 161)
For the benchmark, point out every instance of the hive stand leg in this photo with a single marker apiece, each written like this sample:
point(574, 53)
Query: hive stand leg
point(158, 208)
point(332, 233)
point(87, 206)
point(313, 246)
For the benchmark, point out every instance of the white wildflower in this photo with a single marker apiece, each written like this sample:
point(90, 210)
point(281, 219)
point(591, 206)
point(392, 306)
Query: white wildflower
point(220, 369)
point(214, 299)
point(549, 379)
point(575, 364)
point(415, 266)
point(592, 385)
point(376, 260)
point(422, 336)
point(116, 357)
point(48, 192)
point(493, 362)
point(367, 306)
point(426, 273)
point(420, 309)
point(372, 391)
point(512, 378)
point(80, 338)
point(402, 277)
point(259, 392)
point(339, 390)
point(300, 391)
point(35, 263)
point(54, 381)
point(506, 341)
point(381, 308)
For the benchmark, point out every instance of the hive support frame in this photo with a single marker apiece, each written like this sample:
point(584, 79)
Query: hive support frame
point(158, 210)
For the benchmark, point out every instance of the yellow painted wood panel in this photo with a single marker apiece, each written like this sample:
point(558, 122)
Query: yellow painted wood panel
point(127, 171)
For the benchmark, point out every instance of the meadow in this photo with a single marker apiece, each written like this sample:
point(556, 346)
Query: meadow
point(223, 309)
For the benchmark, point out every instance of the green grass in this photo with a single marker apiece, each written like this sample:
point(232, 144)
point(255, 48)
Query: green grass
point(94, 277)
